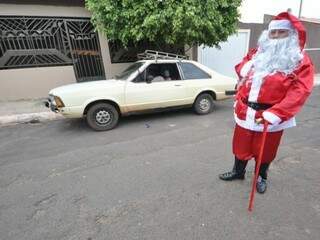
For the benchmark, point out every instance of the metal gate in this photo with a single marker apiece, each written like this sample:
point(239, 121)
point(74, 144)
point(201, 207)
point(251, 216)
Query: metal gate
point(41, 41)
point(85, 51)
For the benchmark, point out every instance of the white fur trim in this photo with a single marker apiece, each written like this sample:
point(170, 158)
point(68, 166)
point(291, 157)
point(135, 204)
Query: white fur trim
point(271, 117)
point(255, 87)
point(251, 117)
point(253, 97)
point(280, 24)
point(271, 128)
point(235, 104)
point(246, 68)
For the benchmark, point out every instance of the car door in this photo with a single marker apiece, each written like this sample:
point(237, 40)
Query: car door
point(195, 78)
point(158, 86)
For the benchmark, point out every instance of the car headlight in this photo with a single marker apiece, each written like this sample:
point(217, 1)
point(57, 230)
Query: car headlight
point(59, 102)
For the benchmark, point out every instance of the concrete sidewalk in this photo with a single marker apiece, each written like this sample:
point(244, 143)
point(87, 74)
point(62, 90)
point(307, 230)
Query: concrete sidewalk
point(25, 111)
point(34, 111)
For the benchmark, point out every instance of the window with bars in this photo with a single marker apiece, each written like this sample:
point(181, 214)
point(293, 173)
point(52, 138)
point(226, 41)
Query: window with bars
point(44, 41)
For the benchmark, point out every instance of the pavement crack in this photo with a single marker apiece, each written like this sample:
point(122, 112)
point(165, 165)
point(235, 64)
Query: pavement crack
point(45, 200)
point(4, 184)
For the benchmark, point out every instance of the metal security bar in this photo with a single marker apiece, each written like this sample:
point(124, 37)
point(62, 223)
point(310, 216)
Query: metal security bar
point(41, 41)
point(86, 52)
point(28, 42)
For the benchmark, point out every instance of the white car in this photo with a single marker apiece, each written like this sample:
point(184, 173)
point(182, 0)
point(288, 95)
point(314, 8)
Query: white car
point(145, 85)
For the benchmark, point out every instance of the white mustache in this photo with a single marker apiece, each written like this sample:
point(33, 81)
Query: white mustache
point(277, 55)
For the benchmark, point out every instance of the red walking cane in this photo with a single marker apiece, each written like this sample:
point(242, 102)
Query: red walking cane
point(258, 163)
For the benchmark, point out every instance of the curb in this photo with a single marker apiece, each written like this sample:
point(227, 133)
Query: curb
point(29, 118)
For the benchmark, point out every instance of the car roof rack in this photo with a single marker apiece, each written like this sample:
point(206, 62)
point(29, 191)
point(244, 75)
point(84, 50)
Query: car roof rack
point(155, 55)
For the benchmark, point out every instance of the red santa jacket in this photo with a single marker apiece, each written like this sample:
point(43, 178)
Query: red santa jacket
point(285, 93)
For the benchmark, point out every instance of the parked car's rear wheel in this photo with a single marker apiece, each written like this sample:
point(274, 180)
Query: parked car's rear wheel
point(102, 117)
point(203, 104)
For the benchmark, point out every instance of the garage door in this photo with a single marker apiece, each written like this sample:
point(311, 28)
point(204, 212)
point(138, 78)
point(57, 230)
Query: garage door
point(232, 51)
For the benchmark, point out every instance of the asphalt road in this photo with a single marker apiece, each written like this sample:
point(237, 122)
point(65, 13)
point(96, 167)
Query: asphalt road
point(155, 177)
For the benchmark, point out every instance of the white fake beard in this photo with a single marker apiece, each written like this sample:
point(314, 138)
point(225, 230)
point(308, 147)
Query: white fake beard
point(277, 55)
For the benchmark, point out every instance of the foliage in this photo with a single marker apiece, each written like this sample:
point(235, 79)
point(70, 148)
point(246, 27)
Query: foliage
point(184, 22)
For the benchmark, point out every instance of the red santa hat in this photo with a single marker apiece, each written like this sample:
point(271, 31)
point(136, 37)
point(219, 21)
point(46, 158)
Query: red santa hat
point(285, 20)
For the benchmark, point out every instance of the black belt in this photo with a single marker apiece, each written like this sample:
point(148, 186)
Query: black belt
point(258, 106)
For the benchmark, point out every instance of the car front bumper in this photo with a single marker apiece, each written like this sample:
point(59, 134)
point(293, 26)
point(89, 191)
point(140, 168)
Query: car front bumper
point(230, 92)
point(68, 112)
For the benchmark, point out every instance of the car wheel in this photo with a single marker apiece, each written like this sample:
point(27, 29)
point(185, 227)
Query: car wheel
point(203, 104)
point(102, 117)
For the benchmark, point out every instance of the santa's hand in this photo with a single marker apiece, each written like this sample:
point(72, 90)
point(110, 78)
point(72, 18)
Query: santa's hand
point(261, 121)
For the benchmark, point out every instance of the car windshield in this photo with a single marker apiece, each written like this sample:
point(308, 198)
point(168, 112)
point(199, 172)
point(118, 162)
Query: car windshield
point(126, 73)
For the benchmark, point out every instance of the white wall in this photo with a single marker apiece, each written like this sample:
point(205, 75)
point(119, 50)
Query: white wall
point(39, 10)
point(231, 52)
point(29, 83)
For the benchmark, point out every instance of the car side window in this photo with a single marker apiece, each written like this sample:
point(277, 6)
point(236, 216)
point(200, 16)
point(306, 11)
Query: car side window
point(190, 71)
point(159, 72)
point(140, 78)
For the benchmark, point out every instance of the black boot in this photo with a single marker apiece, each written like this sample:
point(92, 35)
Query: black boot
point(262, 180)
point(237, 172)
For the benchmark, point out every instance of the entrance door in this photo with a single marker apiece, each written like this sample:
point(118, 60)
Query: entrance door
point(232, 51)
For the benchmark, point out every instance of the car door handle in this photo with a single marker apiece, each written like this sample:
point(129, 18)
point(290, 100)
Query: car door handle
point(177, 85)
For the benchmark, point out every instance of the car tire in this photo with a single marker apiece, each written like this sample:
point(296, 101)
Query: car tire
point(203, 104)
point(102, 117)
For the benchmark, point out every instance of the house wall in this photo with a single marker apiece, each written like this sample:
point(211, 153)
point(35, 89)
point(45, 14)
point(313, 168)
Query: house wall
point(255, 32)
point(31, 83)
point(48, 2)
point(27, 83)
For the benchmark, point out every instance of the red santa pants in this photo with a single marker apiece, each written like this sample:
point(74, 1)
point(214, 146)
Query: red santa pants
point(247, 144)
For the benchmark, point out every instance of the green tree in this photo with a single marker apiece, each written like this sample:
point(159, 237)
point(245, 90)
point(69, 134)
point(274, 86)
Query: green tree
point(183, 22)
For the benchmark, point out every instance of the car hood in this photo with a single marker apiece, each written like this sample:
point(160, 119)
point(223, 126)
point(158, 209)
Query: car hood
point(85, 86)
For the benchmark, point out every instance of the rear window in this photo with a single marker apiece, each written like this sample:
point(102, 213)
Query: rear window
point(190, 71)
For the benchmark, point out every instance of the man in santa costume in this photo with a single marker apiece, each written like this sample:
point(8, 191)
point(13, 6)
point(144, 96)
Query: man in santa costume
point(274, 82)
